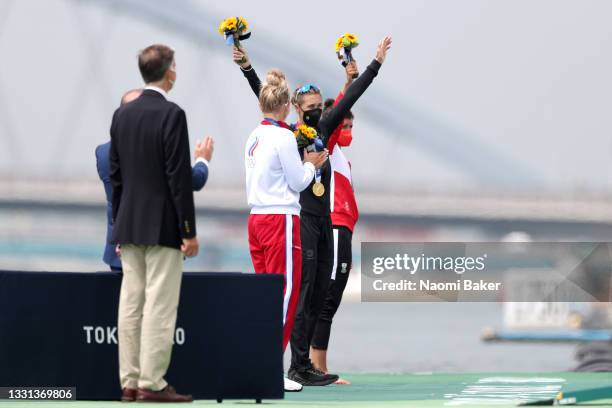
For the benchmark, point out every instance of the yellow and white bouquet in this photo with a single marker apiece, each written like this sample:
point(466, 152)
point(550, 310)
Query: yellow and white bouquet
point(234, 29)
point(344, 47)
point(305, 136)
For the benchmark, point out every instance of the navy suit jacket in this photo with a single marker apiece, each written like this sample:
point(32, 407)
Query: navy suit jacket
point(199, 174)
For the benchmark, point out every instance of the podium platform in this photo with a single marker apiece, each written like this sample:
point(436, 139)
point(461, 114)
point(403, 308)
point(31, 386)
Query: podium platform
point(59, 329)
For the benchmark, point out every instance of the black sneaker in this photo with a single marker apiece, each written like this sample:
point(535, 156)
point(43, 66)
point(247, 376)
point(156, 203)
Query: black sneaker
point(311, 377)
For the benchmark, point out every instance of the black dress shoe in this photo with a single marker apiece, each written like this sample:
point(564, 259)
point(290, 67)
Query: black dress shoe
point(311, 377)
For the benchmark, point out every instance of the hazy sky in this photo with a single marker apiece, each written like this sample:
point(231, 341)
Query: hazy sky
point(528, 80)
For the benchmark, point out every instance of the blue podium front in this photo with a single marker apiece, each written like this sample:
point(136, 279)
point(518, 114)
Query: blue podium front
point(60, 329)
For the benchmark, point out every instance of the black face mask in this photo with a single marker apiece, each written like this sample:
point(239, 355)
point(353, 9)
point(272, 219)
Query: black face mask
point(312, 117)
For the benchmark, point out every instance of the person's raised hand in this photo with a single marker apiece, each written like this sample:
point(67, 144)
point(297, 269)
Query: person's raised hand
point(205, 149)
point(383, 46)
point(240, 57)
point(352, 71)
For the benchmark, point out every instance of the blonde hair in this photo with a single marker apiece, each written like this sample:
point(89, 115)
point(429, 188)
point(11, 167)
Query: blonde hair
point(274, 92)
point(297, 95)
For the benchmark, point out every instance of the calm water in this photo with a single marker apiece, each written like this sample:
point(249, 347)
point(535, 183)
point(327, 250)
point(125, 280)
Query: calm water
point(366, 337)
point(438, 337)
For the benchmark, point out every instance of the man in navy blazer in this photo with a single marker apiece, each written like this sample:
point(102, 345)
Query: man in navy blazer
point(199, 173)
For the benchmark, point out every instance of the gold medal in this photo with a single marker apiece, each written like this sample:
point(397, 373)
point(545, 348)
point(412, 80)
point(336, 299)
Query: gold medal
point(318, 189)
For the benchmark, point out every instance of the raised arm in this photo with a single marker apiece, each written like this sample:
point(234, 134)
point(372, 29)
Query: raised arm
point(351, 69)
point(199, 175)
point(203, 153)
point(355, 90)
point(241, 58)
point(352, 72)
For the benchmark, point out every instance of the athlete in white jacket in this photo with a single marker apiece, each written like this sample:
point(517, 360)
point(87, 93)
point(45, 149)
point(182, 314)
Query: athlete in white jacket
point(275, 175)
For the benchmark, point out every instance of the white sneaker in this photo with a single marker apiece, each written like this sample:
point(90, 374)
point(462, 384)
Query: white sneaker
point(292, 386)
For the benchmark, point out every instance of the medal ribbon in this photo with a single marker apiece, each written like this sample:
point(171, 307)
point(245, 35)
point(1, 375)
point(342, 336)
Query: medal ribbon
point(278, 123)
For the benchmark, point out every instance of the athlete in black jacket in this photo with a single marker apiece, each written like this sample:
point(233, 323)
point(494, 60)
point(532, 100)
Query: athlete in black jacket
point(315, 221)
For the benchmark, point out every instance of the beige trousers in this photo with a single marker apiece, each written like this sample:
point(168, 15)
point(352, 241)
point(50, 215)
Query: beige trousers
point(147, 313)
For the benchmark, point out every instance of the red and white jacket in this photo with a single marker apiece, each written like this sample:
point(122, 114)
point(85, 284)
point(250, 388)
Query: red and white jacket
point(343, 206)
